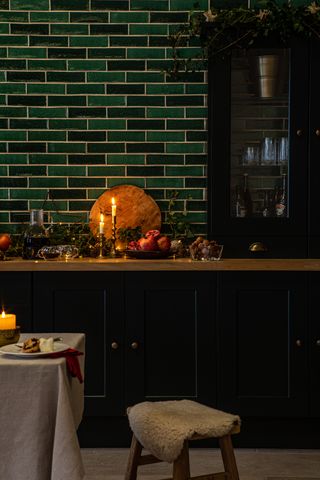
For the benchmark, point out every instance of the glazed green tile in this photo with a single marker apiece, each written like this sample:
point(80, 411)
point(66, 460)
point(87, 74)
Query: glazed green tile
point(70, 217)
point(110, 4)
point(129, 17)
point(4, 193)
point(58, 205)
point(86, 65)
point(126, 65)
point(48, 182)
point(13, 182)
point(107, 124)
point(107, 52)
point(66, 147)
point(30, 29)
point(67, 53)
point(188, 52)
point(68, 100)
point(17, 194)
point(49, 135)
point(12, 135)
point(106, 77)
point(13, 112)
point(146, 53)
point(159, 64)
point(47, 64)
point(188, 5)
point(13, 158)
point(106, 171)
point(185, 147)
point(125, 89)
point(29, 5)
point(4, 28)
point(12, 88)
point(3, 99)
point(47, 112)
point(145, 77)
point(89, 17)
point(28, 52)
point(125, 159)
point(146, 124)
point(145, 100)
point(148, 147)
point(119, 136)
point(169, 17)
point(2, 76)
point(86, 159)
point(65, 171)
point(27, 170)
point(86, 182)
point(105, 100)
point(13, 16)
point(165, 112)
point(113, 182)
point(71, 77)
point(165, 89)
point(71, 4)
point(106, 147)
point(197, 112)
point(46, 159)
point(86, 88)
point(185, 125)
point(129, 41)
point(13, 64)
point(164, 159)
point(13, 40)
point(148, 29)
point(165, 136)
point(88, 41)
point(49, 17)
point(148, 5)
point(3, 147)
point(96, 192)
point(184, 171)
point(68, 29)
point(197, 88)
point(45, 88)
point(164, 182)
point(197, 136)
point(126, 112)
point(50, 41)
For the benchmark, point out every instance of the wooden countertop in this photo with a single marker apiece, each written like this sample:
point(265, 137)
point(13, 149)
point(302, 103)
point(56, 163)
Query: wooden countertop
point(181, 264)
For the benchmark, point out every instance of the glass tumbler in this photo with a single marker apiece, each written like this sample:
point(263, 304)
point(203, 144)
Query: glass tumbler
point(251, 155)
point(268, 151)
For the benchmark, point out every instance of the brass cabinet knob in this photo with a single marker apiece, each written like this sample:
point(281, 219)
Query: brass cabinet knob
point(258, 247)
point(134, 345)
point(318, 343)
point(114, 345)
point(298, 343)
point(318, 132)
point(299, 132)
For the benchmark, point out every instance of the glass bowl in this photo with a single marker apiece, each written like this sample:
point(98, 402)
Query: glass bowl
point(50, 252)
point(207, 253)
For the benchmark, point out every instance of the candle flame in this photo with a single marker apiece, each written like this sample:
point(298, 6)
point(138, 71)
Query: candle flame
point(113, 201)
point(101, 217)
point(3, 314)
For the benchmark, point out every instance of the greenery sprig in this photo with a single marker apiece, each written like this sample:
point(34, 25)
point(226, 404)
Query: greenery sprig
point(221, 30)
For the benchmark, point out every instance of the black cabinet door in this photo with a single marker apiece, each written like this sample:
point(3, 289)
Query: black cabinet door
point(170, 343)
point(15, 297)
point(314, 343)
point(262, 352)
point(91, 303)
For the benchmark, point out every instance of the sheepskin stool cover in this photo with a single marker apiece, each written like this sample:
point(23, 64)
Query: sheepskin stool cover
point(162, 427)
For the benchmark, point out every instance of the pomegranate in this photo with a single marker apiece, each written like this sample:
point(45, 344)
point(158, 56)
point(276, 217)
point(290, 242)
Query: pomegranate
point(152, 233)
point(164, 243)
point(148, 244)
point(133, 245)
point(5, 242)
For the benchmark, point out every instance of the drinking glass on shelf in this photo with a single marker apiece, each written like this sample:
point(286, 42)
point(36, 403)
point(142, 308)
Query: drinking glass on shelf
point(282, 150)
point(251, 155)
point(268, 151)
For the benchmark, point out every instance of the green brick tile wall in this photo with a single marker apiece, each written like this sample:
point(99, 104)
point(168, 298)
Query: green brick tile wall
point(85, 105)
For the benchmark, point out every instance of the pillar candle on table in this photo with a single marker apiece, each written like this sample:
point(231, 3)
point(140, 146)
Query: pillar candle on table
point(7, 321)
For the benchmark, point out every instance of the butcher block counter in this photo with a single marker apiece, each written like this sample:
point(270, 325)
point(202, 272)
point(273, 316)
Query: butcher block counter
point(241, 335)
point(178, 264)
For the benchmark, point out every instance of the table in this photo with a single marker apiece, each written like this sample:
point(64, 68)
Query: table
point(41, 407)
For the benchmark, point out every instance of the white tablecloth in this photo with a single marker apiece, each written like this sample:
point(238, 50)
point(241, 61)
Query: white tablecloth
point(41, 407)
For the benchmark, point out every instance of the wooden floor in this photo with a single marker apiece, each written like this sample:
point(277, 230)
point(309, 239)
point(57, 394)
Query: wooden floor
point(110, 464)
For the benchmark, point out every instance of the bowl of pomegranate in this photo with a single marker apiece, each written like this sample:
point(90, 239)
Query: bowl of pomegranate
point(151, 246)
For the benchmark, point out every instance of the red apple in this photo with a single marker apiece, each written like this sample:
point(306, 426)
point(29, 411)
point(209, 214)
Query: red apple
point(148, 244)
point(152, 233)
point(164, 243)
point(5, 241)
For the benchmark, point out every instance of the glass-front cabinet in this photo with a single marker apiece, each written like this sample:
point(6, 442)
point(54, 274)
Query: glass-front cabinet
point(263, 151)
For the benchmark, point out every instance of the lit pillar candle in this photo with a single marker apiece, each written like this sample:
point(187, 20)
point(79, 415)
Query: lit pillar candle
point(7, 321)
point(113, 211)
point(101, 224)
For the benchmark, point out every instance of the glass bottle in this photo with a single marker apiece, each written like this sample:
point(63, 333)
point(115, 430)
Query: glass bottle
point(243, 204)
point(281, 205)
point(35, 235)
point(240, 209)
point(266, 210)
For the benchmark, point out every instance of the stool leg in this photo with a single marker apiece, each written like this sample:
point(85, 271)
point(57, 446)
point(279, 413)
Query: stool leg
point(228, 457)
point(181, 467)
point(133, 460)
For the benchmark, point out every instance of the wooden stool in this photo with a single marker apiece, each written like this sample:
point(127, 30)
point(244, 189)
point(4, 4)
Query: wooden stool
point(181, 467)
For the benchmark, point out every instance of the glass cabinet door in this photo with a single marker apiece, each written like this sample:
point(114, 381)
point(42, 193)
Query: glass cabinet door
point(259, 141)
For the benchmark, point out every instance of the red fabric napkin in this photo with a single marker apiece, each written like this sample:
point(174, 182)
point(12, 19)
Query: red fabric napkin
point(73, 366)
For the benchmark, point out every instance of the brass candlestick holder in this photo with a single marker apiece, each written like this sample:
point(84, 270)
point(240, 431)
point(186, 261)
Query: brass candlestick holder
point(9, 336)
point(101, 236)
point(113, 252)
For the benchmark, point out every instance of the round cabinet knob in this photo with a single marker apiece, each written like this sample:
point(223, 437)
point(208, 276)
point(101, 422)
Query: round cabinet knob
point(318, 343)
point(114, 345)
point(299, 132)
point(318, 132)
point(298, 343)
point(134, 345)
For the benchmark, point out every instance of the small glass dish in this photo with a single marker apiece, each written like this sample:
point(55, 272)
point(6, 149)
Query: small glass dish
point(50, 252)
point(207, 253)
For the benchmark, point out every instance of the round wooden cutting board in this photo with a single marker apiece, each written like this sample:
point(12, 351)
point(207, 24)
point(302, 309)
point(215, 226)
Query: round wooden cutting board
point(134, 208)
